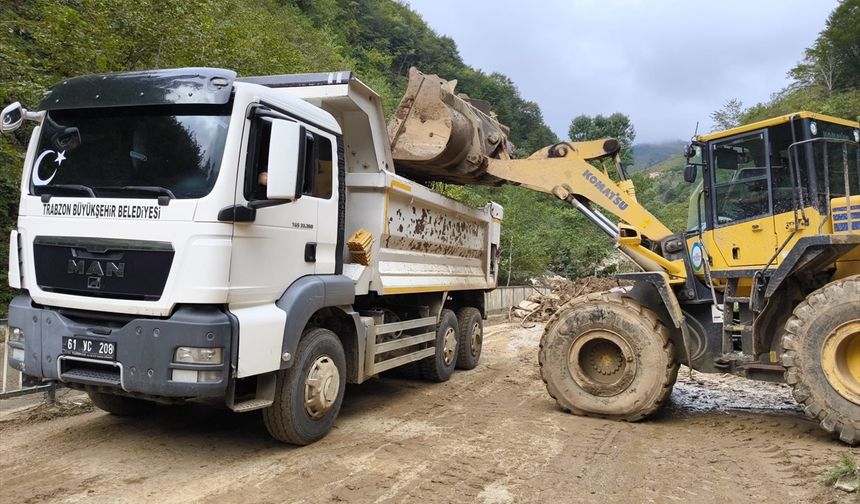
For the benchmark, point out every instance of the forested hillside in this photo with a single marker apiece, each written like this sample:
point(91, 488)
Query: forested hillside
point(44, 41)
point(647, 155)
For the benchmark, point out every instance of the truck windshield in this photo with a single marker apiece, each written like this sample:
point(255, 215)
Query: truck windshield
point(135, 152)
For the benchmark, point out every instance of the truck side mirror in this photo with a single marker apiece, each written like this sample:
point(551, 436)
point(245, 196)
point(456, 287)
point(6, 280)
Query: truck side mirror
point(690, 173)
point(286, 161)
point(11, 118)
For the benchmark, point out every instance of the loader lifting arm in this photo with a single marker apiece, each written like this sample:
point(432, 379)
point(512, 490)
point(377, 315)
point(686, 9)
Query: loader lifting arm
point(569, 171)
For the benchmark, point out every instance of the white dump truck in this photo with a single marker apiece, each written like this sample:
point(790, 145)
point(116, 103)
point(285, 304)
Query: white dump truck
point(186, 233)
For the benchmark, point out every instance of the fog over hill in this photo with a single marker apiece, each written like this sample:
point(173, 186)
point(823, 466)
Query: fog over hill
point(646, 155)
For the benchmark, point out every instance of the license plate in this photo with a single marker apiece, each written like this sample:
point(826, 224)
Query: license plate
point(85, 347)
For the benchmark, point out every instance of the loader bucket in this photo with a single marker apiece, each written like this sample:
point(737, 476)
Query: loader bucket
point(439, 136)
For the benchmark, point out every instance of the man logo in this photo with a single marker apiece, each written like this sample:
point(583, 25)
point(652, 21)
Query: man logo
point(95, 270)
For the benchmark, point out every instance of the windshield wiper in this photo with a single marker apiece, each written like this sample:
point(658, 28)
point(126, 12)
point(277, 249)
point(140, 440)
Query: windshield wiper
point(65, 187)
point(164, 194)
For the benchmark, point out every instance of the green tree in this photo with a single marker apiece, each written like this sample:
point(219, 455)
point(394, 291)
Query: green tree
point(616, 126)
point(833, 61)
point(827, 80)
point(729, 116)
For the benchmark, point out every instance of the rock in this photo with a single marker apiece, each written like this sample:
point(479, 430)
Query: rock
point(849, 483)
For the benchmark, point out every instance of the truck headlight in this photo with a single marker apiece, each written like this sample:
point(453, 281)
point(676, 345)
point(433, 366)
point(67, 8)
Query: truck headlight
point(194, 355)
point(16, 335)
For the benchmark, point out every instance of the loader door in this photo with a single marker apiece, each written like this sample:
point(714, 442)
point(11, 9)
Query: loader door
point(744, 232)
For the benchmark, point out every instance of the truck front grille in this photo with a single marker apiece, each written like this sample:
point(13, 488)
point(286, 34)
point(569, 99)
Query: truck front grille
point(97, 267)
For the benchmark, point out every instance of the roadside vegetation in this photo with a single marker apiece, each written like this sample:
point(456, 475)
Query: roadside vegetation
point(846, 471)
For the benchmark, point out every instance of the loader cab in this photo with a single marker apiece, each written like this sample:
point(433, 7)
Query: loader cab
point(760, 183)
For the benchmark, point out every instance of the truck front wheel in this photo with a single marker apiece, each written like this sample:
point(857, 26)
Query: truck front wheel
point(822, 357)
point(309, 394)
point(608, 356)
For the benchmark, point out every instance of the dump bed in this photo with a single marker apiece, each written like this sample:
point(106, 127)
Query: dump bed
point(402, 236)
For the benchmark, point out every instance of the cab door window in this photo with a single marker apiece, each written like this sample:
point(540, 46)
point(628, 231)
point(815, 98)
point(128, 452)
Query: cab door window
point(740, 178)
point(317, 165)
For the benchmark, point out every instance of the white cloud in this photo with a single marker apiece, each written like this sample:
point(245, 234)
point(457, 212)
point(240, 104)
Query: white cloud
point(665, 63)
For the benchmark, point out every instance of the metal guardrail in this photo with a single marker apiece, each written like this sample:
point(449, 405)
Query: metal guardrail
point(12, 382)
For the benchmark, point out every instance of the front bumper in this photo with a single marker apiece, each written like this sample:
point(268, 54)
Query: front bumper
point(144, 348)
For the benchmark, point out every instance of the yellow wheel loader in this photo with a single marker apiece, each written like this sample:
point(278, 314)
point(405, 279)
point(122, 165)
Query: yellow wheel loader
point(764, 283)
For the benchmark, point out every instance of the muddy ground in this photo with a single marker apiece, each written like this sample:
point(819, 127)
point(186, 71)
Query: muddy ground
point(491, 435)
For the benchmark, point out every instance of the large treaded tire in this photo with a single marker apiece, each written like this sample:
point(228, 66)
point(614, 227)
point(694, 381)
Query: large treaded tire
point(288, 419)
point(811, 323)
point(640, 362)
point(120, 405)
point(470, 320)
point(435, 368)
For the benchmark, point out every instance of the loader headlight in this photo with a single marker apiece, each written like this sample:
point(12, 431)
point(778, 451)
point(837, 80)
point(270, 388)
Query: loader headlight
point(194, 355)
point(857, 135)
point(813, 128)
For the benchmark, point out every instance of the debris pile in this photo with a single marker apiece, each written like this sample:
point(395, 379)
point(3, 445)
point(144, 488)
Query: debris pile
point(540, 306)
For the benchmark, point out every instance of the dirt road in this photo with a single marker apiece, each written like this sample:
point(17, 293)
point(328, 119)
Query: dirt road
point(491, 435)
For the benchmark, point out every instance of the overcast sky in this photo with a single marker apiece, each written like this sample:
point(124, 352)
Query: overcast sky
point(665, 63)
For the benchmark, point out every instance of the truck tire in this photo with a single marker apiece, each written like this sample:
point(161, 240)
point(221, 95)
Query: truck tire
point(822, 357)
point(309, 394)
point(471, 326)
point(608, 356)
point(120, 405)
point(440, 366)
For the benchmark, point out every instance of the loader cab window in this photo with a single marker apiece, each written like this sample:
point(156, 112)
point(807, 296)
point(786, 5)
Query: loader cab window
point(837, 158)
point(782, 173)
point(740, 178)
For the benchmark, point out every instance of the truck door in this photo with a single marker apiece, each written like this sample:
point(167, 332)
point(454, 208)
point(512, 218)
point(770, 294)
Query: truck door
point(744, 232)
point(283, 242)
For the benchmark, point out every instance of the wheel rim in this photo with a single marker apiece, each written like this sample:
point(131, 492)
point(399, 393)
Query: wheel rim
point(449, 345)
point(840, 359)
point(602, 363)
point(475, 340)
point(321, 387)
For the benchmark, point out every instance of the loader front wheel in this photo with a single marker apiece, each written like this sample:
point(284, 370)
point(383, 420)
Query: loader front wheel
point(822, 357)
point(608, 356)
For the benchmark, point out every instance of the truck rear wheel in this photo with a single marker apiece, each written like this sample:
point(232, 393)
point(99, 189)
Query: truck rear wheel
point(120, 405)
point(309, 394)
point(822, 357)
point(471, 326)
point(608, 356)
point(440, 366)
